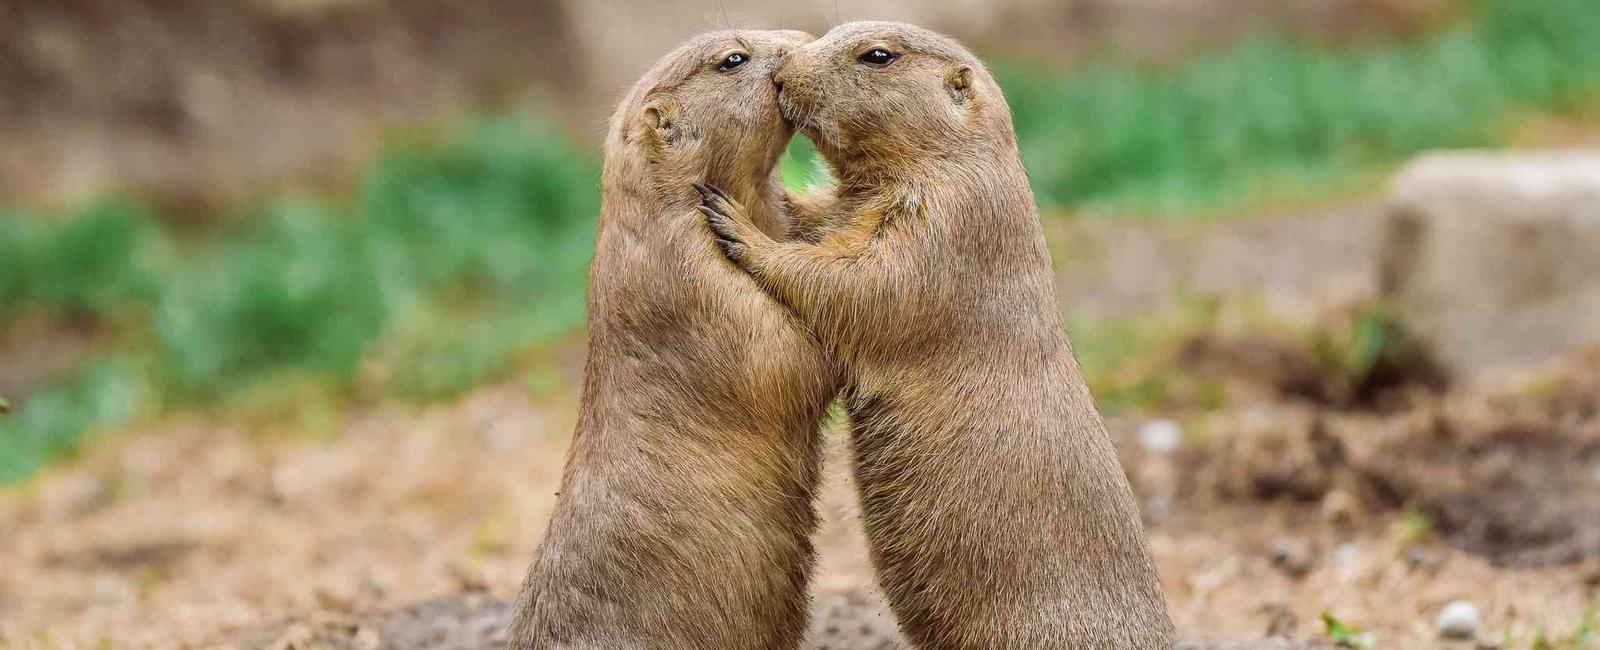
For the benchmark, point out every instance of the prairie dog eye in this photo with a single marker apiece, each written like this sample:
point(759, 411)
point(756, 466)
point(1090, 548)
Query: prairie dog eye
point(732, 61)
point(877, 57)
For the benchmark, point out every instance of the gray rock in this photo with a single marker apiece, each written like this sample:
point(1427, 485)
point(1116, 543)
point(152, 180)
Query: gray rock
point(1458, 620)
point(1493, 260)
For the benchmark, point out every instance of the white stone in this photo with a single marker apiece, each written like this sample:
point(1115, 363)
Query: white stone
point(1161, 436)
point(1458, 620)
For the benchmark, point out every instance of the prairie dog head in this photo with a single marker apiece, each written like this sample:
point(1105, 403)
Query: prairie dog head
point(709, 110)
point(883, 93)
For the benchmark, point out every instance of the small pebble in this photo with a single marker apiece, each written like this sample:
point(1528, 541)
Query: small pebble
point(1347, 560)
point(1422, 558)
point(1161, 436)
point(1291, 557)
point(1458, 620)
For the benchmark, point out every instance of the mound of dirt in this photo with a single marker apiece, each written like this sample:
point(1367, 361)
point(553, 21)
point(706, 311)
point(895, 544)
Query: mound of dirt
point(1509, 471)
point(1512, 474)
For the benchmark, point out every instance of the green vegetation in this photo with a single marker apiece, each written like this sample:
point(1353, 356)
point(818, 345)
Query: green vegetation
point(1274, 119)
point(1584, 636)
point(1414, 525)
point(802, 167)
point(452, 260)
point(1127, 362)
point(1344, 634)
point(1205, 352)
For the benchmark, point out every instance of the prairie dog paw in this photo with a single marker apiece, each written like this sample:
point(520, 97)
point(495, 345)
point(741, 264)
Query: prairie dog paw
point(718, 208)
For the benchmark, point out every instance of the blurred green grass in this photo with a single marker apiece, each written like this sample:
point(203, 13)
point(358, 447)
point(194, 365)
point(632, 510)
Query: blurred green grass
point(455, 257)
point(451, 258)
point(1272, 119)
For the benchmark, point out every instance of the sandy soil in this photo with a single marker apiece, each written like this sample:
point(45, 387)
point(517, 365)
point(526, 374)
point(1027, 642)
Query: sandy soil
point(194, 534)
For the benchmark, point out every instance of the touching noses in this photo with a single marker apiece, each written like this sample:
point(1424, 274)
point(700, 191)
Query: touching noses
point(780, 71)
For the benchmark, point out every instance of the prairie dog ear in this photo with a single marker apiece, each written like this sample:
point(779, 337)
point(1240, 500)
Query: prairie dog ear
point(959, 84)
point(660, 124)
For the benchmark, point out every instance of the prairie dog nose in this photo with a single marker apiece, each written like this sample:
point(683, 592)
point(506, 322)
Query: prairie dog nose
point(779, 72)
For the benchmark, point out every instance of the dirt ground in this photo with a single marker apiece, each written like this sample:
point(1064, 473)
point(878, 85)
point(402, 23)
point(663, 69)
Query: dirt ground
point(1264, 517)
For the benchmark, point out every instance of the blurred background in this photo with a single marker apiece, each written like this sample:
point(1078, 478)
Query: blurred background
point(292, 291)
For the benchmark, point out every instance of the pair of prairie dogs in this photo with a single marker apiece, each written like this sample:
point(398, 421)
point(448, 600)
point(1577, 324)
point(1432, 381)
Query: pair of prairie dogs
point(919, 290)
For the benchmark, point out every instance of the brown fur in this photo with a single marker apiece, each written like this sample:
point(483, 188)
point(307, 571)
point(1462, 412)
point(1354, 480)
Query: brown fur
point(994, 505)
point(685, 514)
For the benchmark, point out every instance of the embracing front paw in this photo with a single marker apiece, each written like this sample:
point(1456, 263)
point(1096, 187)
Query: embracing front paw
point(718, 208)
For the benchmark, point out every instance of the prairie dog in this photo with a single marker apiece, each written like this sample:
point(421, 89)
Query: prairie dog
point(685, 513)
point(997, 513)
